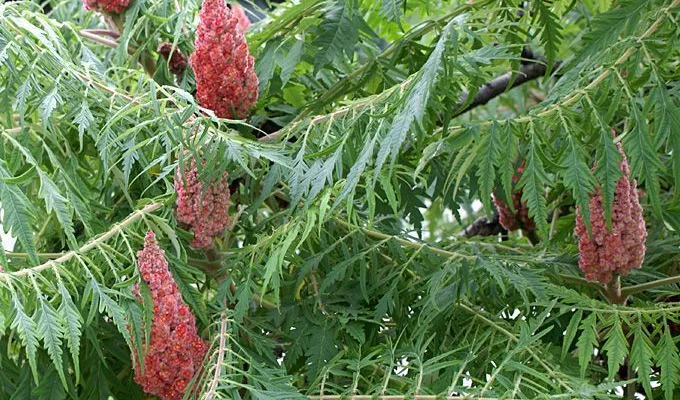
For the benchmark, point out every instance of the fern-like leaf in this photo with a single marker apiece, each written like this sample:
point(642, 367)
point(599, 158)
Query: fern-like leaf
point(641, 353)
point(586, 341)
point(415, 103)
point(26, 329)
point(615, 347)
point(72, 325)
point(550, 31)
point(339, 33)
point(668, 360)
point(578, 178)
point(50, 329)
point(607, 171)
point(644, 159)
point(571, 331)
point(17, 215)
point(54, 200)
point(392, 9)
point(489, 153)
point(533, 183)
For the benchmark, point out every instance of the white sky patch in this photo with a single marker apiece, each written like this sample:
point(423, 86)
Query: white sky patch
point(8, 240)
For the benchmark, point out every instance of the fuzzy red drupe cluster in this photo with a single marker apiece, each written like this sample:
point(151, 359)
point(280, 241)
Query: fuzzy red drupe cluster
point(175, 351)
point(204, 208)
point(519, 219)
point(110, 6)
point(178, 62)
point(606, 252)
point(226, 82)
point(240, 14)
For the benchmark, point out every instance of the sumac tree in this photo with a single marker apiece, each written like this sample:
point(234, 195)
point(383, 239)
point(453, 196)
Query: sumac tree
point(337, 198)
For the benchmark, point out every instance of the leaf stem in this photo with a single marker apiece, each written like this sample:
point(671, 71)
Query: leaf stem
point(43, 255)
point(404, 242)
point(515, 339)
point(116, 229)
point(220, 357)
point(630, 290)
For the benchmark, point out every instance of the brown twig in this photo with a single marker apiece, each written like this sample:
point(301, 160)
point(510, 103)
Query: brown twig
point(484, 226)
point(532, 67)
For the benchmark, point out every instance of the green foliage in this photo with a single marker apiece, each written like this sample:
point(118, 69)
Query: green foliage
point(373, 142)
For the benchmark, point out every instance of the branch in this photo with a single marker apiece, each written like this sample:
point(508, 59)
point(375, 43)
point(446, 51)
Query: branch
point(498, 86)
point(484, 226)
point(358, 74)
point(534, 69)
point(117, 228)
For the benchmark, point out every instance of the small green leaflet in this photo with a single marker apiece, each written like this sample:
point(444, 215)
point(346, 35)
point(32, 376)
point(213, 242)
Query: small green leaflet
point(489, 152)
point(641, 356)
point(83, 119)
point(577, 177)
point(570, 334)
point(322, 347)
point(55, 201)
point(533, 183)
point(26, 329)
point(339, 33)
point(18, 215)
point(275, 262)
point(392, 9)
point(550, 34)
point(22, 97)
point(416, 99)
point(49, 103)
point(290, 61)
point(586, 342)
point(50, 330)
point(607, 171)
point(644, 161)
point(667, 123)
point(615, 347)
point(668, 360)
point(72, 325)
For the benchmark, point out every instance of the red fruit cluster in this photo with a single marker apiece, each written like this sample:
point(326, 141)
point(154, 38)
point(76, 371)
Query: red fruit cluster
point(175, 351)
point(226, 82)
point(605, 252)
point(110, 6)
point(519, 219)
point(178, 62)
point(204, 208)
point(240, 14)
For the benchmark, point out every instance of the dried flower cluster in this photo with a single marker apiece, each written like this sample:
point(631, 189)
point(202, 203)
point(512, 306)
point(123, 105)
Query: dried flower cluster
point(203, 208)
point(226, 82)
point(606, 252)
point(240, 14)
point(175, 351)
point(519, 219)
point(110, 6)
point(177, 63)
